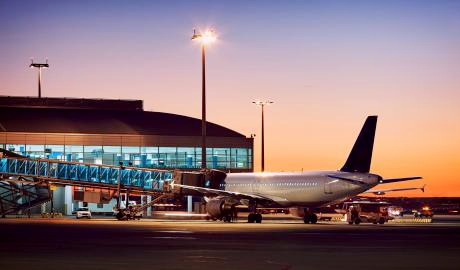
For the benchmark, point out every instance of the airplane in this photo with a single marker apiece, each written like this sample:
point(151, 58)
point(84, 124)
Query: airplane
point(303, 191)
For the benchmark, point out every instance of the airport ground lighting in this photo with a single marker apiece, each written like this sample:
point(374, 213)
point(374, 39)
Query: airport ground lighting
point(205, 38)
point(262, 105)
point(39, 66)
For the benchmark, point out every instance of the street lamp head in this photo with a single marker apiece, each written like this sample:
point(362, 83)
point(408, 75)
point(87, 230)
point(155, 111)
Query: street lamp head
point(38, 65)
point(207, 37)
point(195, 35)
point(262, 103)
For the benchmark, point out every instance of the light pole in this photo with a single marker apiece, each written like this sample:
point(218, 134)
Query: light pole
point(39, 66)
point(262, 105)
point(205, 38)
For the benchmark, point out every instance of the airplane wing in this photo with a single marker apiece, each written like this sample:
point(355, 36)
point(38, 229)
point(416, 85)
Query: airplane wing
point(218, 192)
point(383, 191)
point(392, 180)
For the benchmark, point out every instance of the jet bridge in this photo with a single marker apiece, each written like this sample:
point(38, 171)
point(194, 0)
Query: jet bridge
point(23, 181)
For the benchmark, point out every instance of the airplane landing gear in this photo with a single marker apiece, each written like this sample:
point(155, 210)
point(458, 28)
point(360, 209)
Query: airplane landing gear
point(254, 217)
point(227, 218)
point(310, 217)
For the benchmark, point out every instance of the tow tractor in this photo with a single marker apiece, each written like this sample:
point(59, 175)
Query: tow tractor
point(366, 212)
point(134, 211)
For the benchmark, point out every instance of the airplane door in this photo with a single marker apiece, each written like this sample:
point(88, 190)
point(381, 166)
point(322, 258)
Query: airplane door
point(255, 185)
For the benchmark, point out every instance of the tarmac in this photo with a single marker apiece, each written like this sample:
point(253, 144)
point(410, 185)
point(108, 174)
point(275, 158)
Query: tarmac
point(67, 243)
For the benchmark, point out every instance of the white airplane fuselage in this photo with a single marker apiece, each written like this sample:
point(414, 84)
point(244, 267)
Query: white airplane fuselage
point(300, 189)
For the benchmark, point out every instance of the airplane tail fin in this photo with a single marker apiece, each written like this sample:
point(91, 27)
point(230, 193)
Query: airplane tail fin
point(360, 156)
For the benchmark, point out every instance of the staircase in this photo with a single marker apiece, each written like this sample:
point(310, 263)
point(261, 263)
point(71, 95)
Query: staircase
point(17, 196)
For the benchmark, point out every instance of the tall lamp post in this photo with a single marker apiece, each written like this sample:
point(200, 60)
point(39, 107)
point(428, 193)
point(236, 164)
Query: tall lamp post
point(204, 38)
point(262, 105)
point(39, 66)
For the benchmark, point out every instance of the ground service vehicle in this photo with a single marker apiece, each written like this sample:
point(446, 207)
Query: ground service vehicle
point(367, 212)
point(425, 212)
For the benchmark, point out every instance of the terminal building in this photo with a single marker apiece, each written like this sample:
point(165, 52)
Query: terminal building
point(103, 131)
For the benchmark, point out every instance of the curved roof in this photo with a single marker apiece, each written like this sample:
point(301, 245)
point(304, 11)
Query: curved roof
point(57, 120)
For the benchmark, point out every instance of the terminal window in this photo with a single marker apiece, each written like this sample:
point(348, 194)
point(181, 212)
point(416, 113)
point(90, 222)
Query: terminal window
point(144, 156)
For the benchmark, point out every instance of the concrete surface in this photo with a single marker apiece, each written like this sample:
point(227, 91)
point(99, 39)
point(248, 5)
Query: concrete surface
point(167, 244)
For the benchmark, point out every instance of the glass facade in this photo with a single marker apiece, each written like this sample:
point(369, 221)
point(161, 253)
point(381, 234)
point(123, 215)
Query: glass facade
point(140, 156)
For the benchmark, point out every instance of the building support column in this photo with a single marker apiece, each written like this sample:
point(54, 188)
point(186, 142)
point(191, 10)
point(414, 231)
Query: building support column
point(189, 204)
point(68, 200)
point(149, 209)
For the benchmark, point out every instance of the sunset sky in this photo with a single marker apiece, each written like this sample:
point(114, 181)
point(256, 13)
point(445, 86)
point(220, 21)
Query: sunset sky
point(325, 64)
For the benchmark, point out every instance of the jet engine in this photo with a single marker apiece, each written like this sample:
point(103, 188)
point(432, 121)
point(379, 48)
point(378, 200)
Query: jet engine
point(221, 207)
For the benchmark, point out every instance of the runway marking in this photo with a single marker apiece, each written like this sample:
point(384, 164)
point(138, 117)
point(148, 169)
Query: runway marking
point(283, 266)
point(173, 237)
point(181, 231)
point(205, 259)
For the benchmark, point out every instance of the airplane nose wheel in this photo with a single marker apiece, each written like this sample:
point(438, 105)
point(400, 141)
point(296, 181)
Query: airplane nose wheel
point(255, 217)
